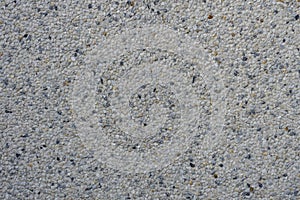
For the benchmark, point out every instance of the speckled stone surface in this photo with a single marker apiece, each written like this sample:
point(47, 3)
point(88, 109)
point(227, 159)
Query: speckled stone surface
point(254, 46)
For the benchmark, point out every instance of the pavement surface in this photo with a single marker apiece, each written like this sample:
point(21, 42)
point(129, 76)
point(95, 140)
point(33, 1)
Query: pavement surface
point(149, 99)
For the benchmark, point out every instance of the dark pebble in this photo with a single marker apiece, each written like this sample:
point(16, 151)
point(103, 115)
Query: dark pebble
point(88, 188)
point(246, 193)
point(24, 135)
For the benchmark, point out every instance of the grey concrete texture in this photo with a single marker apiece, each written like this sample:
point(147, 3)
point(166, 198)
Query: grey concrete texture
point(149, 99)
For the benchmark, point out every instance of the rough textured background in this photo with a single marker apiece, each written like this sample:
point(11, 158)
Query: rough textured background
point(254, 43)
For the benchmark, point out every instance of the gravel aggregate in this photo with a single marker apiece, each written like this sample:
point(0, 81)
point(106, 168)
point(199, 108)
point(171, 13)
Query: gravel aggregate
point(253, 50)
